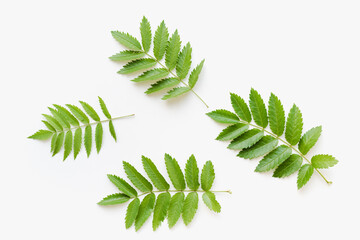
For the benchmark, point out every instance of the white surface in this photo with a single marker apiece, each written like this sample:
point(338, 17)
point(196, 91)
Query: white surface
point(306, 52)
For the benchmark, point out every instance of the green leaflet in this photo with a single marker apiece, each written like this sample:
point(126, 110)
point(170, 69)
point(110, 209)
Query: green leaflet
point(194, 76)
point(175, 173)
point(309, 139)
point(276, 115)
point(175, 208)
point(67, 115)
point(184, 61)
point(53, 122)
point(78, 113)
point(160, 41)
point(127, 40)
point(53, 142)
point(192, 173)
point(232, 132)
point(262, 147)
point(190, 207)
point(323, 161)
point(161, 208)
point(42, 135)
point(294, 126)
point(173, 50)
point(48, 125)
point(274, 159)
point(155, 176)
point(122, 185)
point(145, 30)
point(176, 92)
point(136, 178)
point(145, 210)
point(305, 173)
point(207, 176)
point(240, 107)
point(162, 84)
point(68, 144)
point(127, 55)
point(154, 74)
point(98, 136)
point(210, 201)
point(137, 65)
point(114, 199)
point(104, 109)
point(132, 212)
point(112, 130)
point(77, 142)
point(58, 143)
point(290, 166)
point(59, 118)
point(223, 116)
point(88, 140)
point(247, 139)
point(90, 111)
point(258, 109)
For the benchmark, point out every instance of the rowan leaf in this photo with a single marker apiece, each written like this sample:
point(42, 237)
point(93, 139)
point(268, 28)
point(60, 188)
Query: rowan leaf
point(190, 207)
point(127, 55)
point(290, 166)
point(145, 30)
point(194, 76)
point(223, 116)
point(207, 176)
point(131, 212)
point(160, 41)
point(162, 84)
point(192, 173)
point(145, 210)
point(123, 186)
point(323, 161)
point(276, 115)
point(175, 208)
point(90, 111)
point(137, 65)
point(42, 135)
point(176, 92)
point(136, 178)
point(155, 176)
point(262, 147)
point(172, 51)
point(175, 173)
point(161, 208)
point(184, 61)
point(88, 140)
point(151, 75)
point(232, 132)
point(294, 126)
point(77, 141)
point(258, 109)
point(309, 139)
point(98, 136)
point(68, 144)
point(274, 159)
point(246, 140)
point(210, 201)
point(127, 40)
point(305, 173)
point(114, 199)
point(240, 107)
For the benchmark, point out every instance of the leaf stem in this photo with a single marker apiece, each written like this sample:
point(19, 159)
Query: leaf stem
point(289, 145)
point(172, 73)
point(176, 191)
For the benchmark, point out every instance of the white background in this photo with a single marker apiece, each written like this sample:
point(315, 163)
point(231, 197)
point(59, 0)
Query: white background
point(306, 52)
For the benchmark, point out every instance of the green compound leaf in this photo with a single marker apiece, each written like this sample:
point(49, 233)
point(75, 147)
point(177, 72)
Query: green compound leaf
point(161, 208)
point(247, 139)
point(114, 199)
point(207, 176)
point(162, 84)
point(210, 201)
point(232, 132)
point(151, 75)
point(290, 166)
point(262, 147)
point(122, 185)
point(184, 61)
point(294, 126)
point(127, 55)
point(323, 161)
point(161, 41)
point(172, 51)
point(276, 115)
point(175, 208)
point(146, 36)
point(305, 173)
point(194, 76)
point(145, 210)
point(42, 135)
point(136, 178)
point(190, 207)
point(223, 116)
point(274, 159)
point(175, 173)
point(176, 92)
point(131, 212)
point(240, 107)
point(127, 40)
point(68, 144)
point(192, 173)
point(258, 109)
point(155, 176)
point(137, 65)
point(309, 139)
